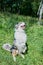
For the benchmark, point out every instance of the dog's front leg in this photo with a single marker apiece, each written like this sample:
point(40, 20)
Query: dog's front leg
point(14, 58)
point(14, 53)
point(21, 55)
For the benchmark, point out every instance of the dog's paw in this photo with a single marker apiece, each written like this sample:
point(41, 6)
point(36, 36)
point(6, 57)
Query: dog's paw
point(14, 58)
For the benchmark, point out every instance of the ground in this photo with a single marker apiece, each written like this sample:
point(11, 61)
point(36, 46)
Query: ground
point(34, 55)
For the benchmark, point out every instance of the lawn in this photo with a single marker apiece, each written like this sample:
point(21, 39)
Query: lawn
point(34, 55)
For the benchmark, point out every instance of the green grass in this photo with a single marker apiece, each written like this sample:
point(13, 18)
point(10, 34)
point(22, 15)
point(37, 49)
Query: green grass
point(34, 40)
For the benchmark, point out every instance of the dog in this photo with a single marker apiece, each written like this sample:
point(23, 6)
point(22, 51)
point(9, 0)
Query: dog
point(19, 44)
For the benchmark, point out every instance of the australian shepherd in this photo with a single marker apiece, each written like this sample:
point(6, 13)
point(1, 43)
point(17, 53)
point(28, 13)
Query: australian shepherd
point(19, 44)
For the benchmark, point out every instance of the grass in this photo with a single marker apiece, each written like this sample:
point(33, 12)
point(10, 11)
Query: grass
point(34, 40)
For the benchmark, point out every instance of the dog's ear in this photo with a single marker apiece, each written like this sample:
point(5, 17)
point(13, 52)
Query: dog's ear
point(16, 26)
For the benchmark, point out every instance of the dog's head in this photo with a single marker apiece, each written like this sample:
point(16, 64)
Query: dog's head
point(20, 25)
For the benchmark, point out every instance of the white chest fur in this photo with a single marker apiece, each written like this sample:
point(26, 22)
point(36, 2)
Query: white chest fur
point(20, 36)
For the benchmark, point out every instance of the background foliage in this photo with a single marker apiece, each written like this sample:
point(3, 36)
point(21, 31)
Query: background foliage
point(25, 7)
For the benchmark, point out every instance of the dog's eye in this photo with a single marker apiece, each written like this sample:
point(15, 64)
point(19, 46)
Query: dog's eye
point(23, 26)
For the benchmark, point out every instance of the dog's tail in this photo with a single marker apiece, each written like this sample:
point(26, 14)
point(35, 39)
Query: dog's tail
point(6, 46)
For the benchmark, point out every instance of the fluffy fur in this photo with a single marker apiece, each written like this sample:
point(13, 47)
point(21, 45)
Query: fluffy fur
point(20, 38)
point(19, 42)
